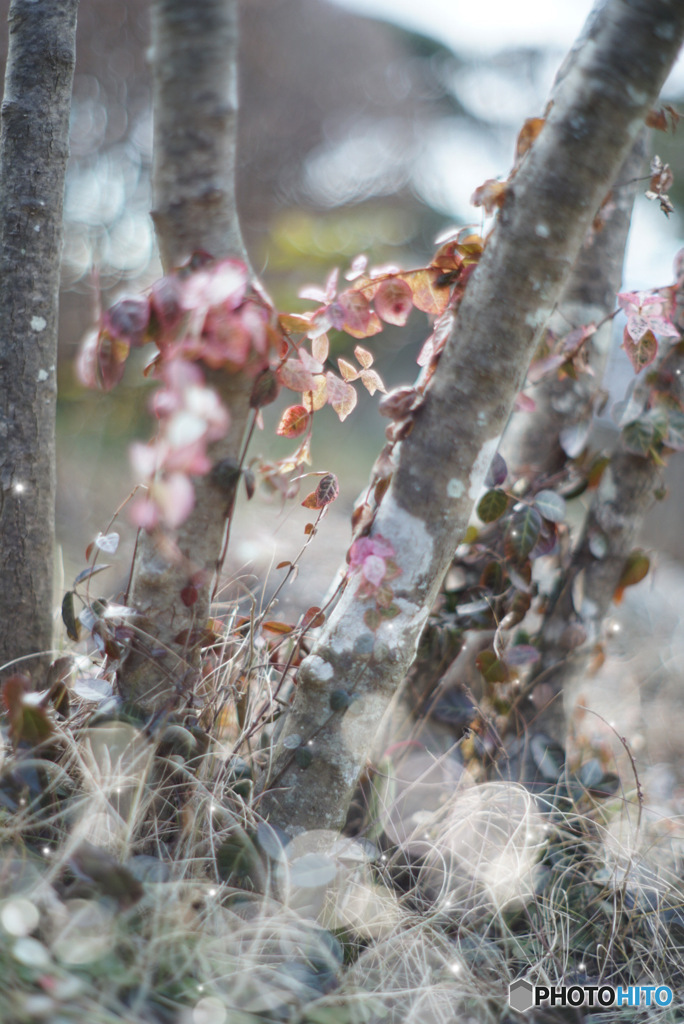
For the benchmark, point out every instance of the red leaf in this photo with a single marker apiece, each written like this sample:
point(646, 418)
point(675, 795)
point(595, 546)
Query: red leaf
point(189, 595)
point(293, 422)
point(313, 618)
point(327, 490)
point(640, 353)
point(394, 301)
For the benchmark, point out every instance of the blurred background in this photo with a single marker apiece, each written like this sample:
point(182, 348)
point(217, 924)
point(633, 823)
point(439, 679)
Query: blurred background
point(365, 127)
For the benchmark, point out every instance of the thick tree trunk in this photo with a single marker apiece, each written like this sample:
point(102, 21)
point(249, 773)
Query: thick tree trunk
point(439, 468)
point(34, 149)
point(195, 118)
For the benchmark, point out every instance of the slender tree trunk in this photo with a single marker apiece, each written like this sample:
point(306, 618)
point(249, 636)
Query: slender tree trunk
point(195, 134)
point(532, 441)
point(572, 626)
point(34, 149)
point(439, 468)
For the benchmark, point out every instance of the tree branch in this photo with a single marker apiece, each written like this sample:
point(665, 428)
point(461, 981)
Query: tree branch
point(34, 149)
point(440, 466)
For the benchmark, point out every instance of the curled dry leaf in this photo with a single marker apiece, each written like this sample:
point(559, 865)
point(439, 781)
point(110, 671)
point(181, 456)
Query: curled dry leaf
point(490, 195)
point(399, 403)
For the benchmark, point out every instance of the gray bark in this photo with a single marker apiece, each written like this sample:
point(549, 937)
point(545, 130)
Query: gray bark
point(439, 468)
point(34, 149)
point(195, 118)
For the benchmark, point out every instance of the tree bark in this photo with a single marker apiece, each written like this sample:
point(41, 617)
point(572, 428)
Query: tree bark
point(439, 468)
point(195, 134)
point(34, 149)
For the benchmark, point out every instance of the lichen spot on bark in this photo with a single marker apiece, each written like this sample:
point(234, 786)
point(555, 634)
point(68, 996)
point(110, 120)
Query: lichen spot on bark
point(38, 323)
point(315, 671)
point(411, 540)
point(455, 488)
point(542, 230)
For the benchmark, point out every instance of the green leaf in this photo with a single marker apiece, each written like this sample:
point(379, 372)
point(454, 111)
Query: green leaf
point(492, 505)
point(635, 569)
point(522, 532)
point(86, 574)
point(373, 619)
point(638, 436)
point(492, 668)
point(391, 612)
point(237, 855)
point(551, 506)
point(68, 615)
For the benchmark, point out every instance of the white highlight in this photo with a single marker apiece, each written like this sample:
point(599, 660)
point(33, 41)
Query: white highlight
point(38, 323)
point(542, 230)
point(43, 375)
point(481, 465)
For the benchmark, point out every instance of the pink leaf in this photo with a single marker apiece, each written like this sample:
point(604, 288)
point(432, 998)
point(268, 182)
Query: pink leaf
point(394, 302)
point(294, 375)
point(341, 395)
point(374, 569)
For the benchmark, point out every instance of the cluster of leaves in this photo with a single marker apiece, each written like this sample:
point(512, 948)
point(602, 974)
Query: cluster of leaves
point(652, 417)
point(203, 316)
point(493, 585)
point(207, 315)
point(374, 560)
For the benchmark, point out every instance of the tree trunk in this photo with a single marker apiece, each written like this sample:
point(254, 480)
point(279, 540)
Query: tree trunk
point(34, 149)
point(598, 112)
point(195, 118)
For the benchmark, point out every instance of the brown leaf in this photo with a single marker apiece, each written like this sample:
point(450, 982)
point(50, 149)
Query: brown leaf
point(528, 133)
point(313, 618)
point(490, 195)
point(279, 628)
point(399, 403)
point(426, 291)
